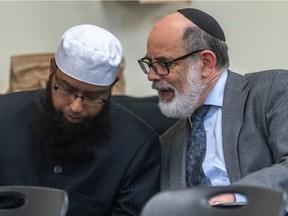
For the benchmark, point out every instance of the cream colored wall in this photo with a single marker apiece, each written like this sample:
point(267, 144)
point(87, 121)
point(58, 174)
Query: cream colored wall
point(256, 31)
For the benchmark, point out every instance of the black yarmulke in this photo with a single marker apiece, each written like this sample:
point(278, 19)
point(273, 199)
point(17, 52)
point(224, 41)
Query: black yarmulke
point(204, 21)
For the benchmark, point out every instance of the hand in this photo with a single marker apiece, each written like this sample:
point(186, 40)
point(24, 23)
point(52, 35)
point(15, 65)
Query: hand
point(222, 198)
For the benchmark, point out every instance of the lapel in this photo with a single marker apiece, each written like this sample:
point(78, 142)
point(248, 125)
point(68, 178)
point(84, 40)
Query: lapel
point(235, 95)
point(179, 148)
point(173, 155)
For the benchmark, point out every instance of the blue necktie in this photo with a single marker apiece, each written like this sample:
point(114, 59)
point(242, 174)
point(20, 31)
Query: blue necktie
point(196, 149)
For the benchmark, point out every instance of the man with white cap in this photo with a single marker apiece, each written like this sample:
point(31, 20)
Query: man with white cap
point(241, 136)
point(71, 136)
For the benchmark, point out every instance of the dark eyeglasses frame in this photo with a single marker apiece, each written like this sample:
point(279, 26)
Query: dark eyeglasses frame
point(167, 64)
point(75, 96)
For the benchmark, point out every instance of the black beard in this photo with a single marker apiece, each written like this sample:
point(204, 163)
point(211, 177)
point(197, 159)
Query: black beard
point(62, 140)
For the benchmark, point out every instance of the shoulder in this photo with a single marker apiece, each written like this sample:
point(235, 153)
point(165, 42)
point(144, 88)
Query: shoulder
point(130, 133)
point(268, 86)
point(268, 75)
point(268, 81)
point(20, 96)
point(18, 106)
point(19, 99)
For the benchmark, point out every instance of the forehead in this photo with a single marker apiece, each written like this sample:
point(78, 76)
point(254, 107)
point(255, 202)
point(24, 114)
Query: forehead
point(78, 85)
point(166, 35)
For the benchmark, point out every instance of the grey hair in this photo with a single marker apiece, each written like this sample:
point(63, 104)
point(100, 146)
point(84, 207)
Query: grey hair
point(195, 38)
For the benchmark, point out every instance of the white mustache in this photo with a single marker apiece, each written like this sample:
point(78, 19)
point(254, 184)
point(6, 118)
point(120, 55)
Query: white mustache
point(158, 85)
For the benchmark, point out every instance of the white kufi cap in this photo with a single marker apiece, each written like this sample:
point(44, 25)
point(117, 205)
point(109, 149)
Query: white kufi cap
point(89, 54)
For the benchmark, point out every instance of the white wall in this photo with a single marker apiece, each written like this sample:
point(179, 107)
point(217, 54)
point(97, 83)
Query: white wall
point(256, 31)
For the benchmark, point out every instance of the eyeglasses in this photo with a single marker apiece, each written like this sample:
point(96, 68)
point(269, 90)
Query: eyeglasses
point(162, 67)
point(87, 100)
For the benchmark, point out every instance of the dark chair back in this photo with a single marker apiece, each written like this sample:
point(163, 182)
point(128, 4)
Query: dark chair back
point(147, 109)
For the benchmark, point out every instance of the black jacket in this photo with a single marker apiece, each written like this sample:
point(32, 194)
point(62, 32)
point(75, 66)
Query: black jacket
point(123, 175)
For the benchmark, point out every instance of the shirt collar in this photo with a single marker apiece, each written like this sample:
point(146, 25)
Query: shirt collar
point(216, 95)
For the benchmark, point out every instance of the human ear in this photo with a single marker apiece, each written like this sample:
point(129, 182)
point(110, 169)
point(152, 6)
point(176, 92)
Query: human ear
point(53, 66)
point(208, 62)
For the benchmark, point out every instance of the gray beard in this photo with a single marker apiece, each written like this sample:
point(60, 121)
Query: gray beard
point(183, 105)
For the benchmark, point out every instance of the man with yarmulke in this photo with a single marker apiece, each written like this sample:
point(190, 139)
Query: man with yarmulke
point(232, 128)
point(71, 136)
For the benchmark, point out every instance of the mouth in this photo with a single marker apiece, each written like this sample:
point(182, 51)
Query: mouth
point(73, 119)
point(166, 94)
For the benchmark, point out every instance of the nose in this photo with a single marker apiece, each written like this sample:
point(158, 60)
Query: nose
point(153, 76)
point(76, 105)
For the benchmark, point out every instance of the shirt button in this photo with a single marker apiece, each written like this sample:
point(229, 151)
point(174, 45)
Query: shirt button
point(57, 169)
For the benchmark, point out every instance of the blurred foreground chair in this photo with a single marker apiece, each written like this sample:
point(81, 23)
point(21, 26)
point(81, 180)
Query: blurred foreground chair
point(32, 201)
point(194, 202)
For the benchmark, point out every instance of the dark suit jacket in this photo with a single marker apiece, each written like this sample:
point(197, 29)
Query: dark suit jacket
point(255, 133)
point(122, 176)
